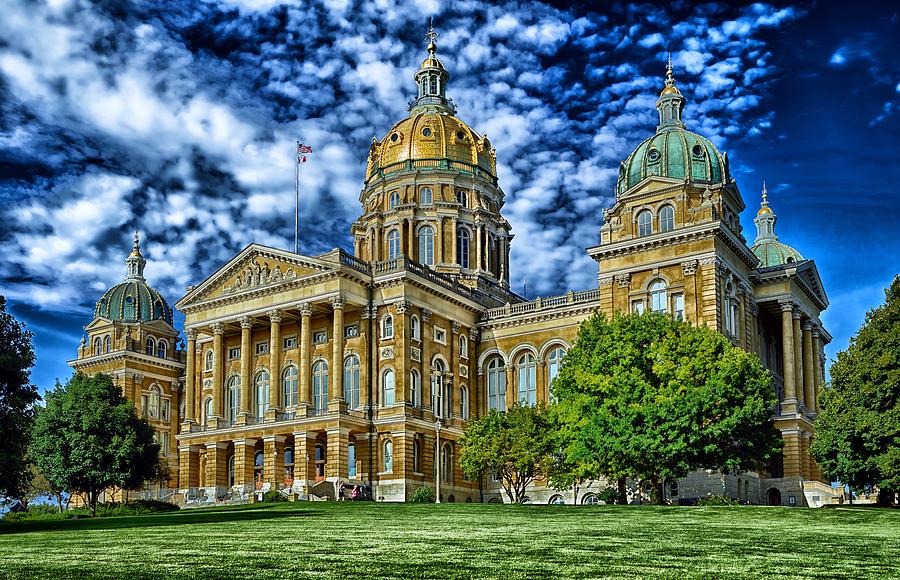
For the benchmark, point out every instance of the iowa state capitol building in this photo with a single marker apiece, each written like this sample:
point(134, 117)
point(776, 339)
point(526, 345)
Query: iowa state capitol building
point(302, 371)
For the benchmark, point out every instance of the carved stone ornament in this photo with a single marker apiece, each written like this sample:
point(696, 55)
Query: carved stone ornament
point(337, 302)
point(623, 280)
point(402, 307)
point(218, 328)
point(473, 334)
point(455, 327)
point(254, 275)
point(426, 315)
point(386, 353)
point(246, 322)
point(415, 354)
point(305, 309)
point(274, 315)
point(786, 305)
point(190, 333)
point(464, 371)
point(689, 268)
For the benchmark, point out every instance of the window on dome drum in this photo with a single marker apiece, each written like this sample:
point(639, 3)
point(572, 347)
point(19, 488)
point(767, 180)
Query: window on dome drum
point(426, 245)
point(658, 296)
point(320, 387)
point(415, 388)
point(161, 348)
point(393, 245)
point(107, 344)
point(425, 196)
point(496, 383)
point(645, 223)
point(394, 200)
point(387, 388)
point(463, 346)
point(667, 218)
point(678, 306)
point(387, 327)
point(234, 353)
point(351, 381)
point(289, 386)
point(462, 247)
point(554, 363)
point(637, 306)
point(208, 361)
point(526, 371)
point(150, 346)
point(464, 402)
point(234, 398)
point(414, 332)
point(262, 394)
point(351, 460)
point(388, 455)
point(462, 198)
point(207, 411)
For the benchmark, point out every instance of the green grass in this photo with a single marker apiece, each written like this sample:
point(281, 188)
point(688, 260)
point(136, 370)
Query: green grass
point(366, 540)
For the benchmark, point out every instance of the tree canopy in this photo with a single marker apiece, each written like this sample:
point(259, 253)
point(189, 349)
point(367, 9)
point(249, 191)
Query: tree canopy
point(857, 437)
point(89, 438)
point(653, 398)
point(511, 445)
point(17, 398)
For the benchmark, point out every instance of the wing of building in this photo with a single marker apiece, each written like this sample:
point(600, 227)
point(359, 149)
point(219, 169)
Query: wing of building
point(304, 372)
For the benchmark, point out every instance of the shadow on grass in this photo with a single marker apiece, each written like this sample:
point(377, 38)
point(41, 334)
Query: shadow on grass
point(178, 518)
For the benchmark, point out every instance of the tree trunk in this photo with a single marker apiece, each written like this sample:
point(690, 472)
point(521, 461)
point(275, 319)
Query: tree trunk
point(623, 491)
point(92, 500)
point(575, 494)
point(656, 494)
point(59, 502)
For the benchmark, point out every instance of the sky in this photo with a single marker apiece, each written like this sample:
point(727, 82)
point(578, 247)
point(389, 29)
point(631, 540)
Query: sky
point(178, 119)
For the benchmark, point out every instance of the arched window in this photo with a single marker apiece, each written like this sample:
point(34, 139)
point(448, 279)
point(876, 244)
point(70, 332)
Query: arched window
point(234, 398)
point(658, 296)
point(667, 218)
point(289, 386)
point(230, 470)
point(351, 461)
point(415, 388)
point(262, 394)
point(414, 331)
point(554, 362)
point(208, 361)
point(150, 346)
point(387, 327)
point(732, 310)
point(389, 455)
point(351, 381)
point(387, 388)
point(258, 465)
point(288, 466)
point(107, 344)
point(394, 199)
point(161, 348)
point(393, 245)
point(447, 462)
point(417, 454)
point(645, 223)
point(464, 402)
point(526, 372)
point(496, 383)
point(207, 411)
point(462, 247)
point(320, 387)
point(426, 245)
point(425, 196)
point(98, 345)
point(462, 198)
point(154, 402)
point(463, 346)
point(438, 405)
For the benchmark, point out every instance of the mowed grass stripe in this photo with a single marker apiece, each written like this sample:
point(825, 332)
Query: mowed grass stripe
point(349, 540)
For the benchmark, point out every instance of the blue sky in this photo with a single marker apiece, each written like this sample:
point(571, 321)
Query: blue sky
point(178, 119)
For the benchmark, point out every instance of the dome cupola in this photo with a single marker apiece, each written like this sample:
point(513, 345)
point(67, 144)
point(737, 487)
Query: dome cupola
point(431, 79)
point(133, 300)
point(767, 248)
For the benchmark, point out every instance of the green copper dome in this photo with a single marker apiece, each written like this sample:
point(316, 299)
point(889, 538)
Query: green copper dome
point(133, 300)
point(767, 248)
point(673, 151)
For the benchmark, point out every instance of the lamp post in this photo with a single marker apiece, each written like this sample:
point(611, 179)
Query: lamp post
point(437, 460)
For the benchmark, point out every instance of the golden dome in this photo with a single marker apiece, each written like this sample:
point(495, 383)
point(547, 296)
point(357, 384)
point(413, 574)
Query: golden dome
point(765, 210)
point(429, 139)
point(670, 90)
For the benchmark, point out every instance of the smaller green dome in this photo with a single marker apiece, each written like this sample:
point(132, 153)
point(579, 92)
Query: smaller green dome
point(775, 253)
point(133, 300)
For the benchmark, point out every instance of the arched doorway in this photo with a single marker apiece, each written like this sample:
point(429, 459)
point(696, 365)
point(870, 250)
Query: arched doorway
point(773, 497)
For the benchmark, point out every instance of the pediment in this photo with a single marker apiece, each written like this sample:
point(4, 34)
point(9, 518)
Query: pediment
point(255, 267)
point(98, 323)
point(809, 275)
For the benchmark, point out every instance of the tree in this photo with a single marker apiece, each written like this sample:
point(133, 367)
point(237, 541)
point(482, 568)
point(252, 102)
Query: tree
point(654, 398)
point(17, 398)
point(513, 445)
point(857, 437)
point(89, 438)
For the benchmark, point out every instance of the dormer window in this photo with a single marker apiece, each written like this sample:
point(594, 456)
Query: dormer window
point(653, 155)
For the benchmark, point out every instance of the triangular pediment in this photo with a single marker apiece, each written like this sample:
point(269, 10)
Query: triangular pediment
point(809, 275)
point(255, 267)
point(98, 323)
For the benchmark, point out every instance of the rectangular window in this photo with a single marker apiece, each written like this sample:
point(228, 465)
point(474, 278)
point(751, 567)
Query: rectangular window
point(637, 306)
point(234, 353)
point(440, 335)
point(289, 342)
point(678, 306)
point(351, 330)
point(320, 337)
point(145, 406)
point(165, 409)
point(262, 347)
point(164, 444)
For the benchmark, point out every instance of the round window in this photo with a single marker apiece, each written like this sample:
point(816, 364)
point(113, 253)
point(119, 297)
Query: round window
point(395, 137)
point(460, 135)
point(653, 155)
point(129, 300)
point(697, 150)
point(426, 131)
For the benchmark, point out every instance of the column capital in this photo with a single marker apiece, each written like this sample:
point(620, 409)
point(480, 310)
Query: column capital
point(815, 331)
point(473, 334)
point(402, 306)
point(786, 305)
point(455, 327)
point(305, 309)
point(623, 280)
point(337, 302)
point(246, 441)
point(274, 315)
point(689, 268)
point(798, 314)
point(807, 326)
point(426, 314)
point(190, 333)
point(218, 328)
point(246, 322)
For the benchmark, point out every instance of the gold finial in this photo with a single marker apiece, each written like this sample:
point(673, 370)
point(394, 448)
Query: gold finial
point(764, 206)
point(431, 37)
point(670, 87)
point(136, 246)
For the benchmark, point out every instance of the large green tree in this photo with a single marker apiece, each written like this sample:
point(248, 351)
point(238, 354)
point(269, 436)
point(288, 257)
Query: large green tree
point(17, 398)
point(654, 398)
point(858, 431)
point(89, 438)
point(512, 445)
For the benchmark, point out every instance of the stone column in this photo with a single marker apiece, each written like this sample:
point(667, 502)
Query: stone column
point(218, 371)
point(411, 239)
point(439, 242)
point(798, 357)
point(455, 249)
point(246, 362)
point(479, 229)
point(302, 460)
point(337, 353)
point(273, 460)
point(426, 335)
point(337, 454)
point(818, 373)
point(216, 464)
point(189, 380)
point(789, 405)
point(809, 383)
point(274, 364)
point(792, 452)
point(304, 370)
point(188, 466)
point(244, 452)
point(401, 348)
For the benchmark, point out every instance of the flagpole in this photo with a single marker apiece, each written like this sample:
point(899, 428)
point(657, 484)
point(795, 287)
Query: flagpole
point(297, 198)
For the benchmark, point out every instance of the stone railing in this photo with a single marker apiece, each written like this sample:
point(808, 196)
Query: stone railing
point(542, 304)
point(403, 263)
point(352, 261)
point(432, 163)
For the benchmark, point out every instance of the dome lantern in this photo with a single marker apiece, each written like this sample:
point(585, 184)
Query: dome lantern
point(431, 80)
point(767, 247)
point(133, 300)
point(135, 261)
point(670, 103)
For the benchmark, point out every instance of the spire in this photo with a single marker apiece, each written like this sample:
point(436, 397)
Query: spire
point(431, 80)
point(765, 219)
point(135, 260)
point(671, 102)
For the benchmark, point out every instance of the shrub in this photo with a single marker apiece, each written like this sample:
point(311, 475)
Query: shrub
point(423, 495)
point(717, 500)
point(273, 496)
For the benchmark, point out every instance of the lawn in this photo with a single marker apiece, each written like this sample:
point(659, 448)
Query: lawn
point(367, 540)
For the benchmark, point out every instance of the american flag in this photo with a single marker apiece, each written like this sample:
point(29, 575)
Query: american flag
point(302, 150)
